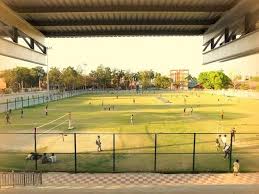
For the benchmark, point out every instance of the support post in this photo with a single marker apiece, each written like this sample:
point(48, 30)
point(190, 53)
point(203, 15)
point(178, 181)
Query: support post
point(113, 154)
point(226, 35)
point(230, 154)
point(155, 153)
point(193, 153)
point(28, 101)
point(7, 106)
point(22, 102)
point(15, 103)
point(75, 153)
point(35, 148)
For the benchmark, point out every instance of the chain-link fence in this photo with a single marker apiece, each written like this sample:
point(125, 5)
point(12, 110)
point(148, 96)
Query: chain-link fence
point(129, 152)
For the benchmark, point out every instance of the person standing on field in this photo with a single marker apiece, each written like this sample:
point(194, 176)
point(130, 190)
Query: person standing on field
point(7, 117)
point(236, 167)
point(21, 113)
point(99, 144)
point(222, 115)
point(131, 119)
point(227, 150)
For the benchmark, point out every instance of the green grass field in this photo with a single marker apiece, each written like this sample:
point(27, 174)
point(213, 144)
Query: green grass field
point(135, 152)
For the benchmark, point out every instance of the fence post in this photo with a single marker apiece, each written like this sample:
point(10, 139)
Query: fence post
point(7, 107)
point(28, 101)
point(35, 148)
point(13, 178)
point(24, 182)
point(113, 154)
point(22, 102)
point(230, 154)
point(155, 153)
point(38, 99)
point(15, 103)
point(75, 153)
point(193, 153)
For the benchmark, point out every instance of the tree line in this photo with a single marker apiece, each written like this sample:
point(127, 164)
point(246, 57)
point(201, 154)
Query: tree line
point(20, 78)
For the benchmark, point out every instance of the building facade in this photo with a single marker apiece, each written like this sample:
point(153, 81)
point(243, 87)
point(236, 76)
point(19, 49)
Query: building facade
point(179, 79)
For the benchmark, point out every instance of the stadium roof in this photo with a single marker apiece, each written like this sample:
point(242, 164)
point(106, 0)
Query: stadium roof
point(66, 18)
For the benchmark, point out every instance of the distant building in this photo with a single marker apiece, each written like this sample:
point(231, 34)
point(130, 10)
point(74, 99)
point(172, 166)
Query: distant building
point(179, 79)
point(2, 84)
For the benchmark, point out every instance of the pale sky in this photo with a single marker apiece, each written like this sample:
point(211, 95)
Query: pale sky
point(137, 53)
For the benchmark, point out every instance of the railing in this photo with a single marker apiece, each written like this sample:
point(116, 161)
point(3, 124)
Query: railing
point(33, 100)
point(20, 179)
point(132, 152)
point(28, 101)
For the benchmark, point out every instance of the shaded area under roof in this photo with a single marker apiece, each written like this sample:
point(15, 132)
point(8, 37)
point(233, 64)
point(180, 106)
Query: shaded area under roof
point(68, 18)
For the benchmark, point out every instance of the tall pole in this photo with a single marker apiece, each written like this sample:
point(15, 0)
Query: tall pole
point(47, 58)
point(193, 152)
point(48, 75)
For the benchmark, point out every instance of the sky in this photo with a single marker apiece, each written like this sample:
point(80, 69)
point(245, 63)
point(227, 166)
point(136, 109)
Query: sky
point(137, 53)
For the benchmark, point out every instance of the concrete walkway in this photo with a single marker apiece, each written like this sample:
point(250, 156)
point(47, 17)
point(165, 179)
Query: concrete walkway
point(63, 179)
point(135, 183)
point(184, 189)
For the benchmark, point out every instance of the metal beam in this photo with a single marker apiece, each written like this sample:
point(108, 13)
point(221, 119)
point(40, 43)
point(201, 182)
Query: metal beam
point(122, 33)
point(81, 22)
point(246, 45)
point(10, 18)
point(17, 51)
point(118, 8)
point(243, 8)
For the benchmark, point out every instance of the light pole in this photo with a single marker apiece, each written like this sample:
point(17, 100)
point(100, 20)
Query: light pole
point(85, 73)
point(47, 58)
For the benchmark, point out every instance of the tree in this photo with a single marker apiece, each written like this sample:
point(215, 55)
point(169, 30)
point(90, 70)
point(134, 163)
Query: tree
point(55, 78)
point(162, 81)
point(69, 78)
point(37, 76)
point(145, 78)
point(214, 80)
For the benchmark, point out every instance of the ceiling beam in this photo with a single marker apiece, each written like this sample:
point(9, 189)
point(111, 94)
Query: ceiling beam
point(238, 12)
point(122, 33)
point(187, 8)
point(10, 18)
point(78, 22)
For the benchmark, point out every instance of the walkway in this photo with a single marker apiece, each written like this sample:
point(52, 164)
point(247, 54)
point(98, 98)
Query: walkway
point(56, 179)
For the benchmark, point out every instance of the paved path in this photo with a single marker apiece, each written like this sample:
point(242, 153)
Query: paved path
point(63, 179)
point(211, 189)
point(135, 183)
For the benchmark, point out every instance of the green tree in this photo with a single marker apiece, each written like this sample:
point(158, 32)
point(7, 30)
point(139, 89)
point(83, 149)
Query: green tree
point(162, 81)
point(55, 78)
point(69, 78)
point(214, 80)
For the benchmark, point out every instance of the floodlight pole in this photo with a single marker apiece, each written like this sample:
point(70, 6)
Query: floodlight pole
point(47, 58)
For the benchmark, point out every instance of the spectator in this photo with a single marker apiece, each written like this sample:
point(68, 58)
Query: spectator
point(45, 159)
point(227, 150)
point(236, 167)
point(224, 140)
point(53, 158)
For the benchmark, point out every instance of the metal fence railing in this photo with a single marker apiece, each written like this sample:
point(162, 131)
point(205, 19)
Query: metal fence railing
point(33, 100)
point(129, 152)
point(21, 179)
